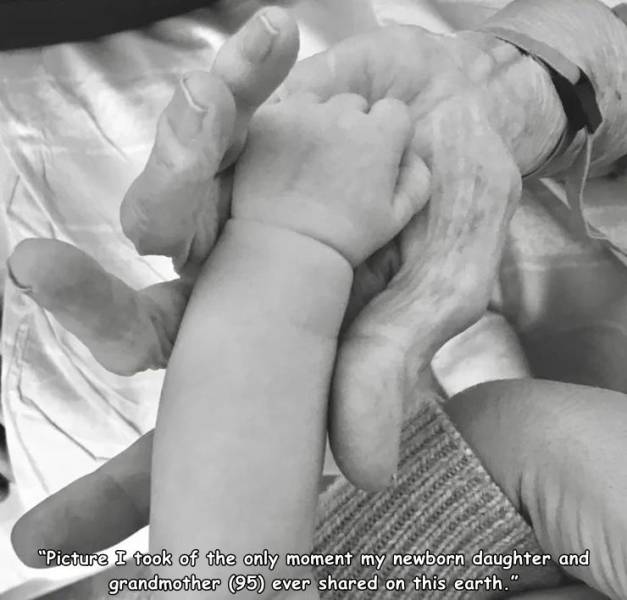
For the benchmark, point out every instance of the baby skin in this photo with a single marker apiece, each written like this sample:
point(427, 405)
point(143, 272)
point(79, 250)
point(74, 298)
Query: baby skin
point(240, 434)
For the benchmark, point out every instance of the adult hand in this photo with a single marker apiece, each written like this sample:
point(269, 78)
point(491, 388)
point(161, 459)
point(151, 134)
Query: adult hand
point(465, 106)
point(538, 440)
point(469, 98)
point(174, 208)
point(556, 451)
point(120, 488)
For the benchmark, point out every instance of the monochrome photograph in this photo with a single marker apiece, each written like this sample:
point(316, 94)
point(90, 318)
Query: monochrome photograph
point(313, 299)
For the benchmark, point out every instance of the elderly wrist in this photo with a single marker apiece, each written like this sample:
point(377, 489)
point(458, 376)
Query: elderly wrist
point(521, 97)
point(589, 35)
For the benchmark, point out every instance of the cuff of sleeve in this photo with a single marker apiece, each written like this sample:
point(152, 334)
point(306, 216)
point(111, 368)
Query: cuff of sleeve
point(444, 504)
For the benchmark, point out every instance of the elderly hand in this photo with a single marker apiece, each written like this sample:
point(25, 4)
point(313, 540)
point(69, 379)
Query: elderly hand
point(174, 208)
point(436, 77)
point(469, 113)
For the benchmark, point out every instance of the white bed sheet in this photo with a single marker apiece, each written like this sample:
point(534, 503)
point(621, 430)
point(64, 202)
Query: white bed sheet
point(76, 125)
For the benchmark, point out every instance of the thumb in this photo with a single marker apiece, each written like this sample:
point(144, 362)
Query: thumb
point(174, 208)
point(253, 63)
point(343, 68)
point(92, 513)
point(125, 330)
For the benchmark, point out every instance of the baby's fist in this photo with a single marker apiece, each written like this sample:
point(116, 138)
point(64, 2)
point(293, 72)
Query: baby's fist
point(333, 171)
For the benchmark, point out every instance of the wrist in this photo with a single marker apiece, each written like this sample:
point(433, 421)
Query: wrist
point(523, 99)
point(297, 277)
point(588, 35)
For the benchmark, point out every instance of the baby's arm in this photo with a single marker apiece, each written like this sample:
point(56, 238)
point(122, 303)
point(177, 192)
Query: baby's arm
point(239, 440)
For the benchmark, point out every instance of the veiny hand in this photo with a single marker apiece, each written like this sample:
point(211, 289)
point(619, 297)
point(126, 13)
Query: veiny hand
point(333, 171)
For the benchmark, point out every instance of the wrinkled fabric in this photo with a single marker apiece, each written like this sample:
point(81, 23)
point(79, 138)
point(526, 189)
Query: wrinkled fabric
point(77, 122)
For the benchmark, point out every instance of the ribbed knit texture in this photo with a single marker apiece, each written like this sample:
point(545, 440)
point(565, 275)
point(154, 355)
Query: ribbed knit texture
point(443, 501)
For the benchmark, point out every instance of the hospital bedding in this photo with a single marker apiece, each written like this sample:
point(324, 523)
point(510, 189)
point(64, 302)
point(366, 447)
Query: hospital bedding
point(76, 126)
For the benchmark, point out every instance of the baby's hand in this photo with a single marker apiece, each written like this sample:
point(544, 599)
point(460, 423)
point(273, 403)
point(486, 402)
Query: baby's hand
point(332, 171)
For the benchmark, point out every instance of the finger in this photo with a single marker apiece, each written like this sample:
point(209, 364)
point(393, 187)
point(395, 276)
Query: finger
point(126, 331)
point(393, 116)
point(556, 450)
point(574, 592)
point(171, 208)
point(253, 63)
point(348, 102)
point(92, 513)
point(413, 187)
point(392, 119)
point(371, 278)
point(413, 179)
point(443, 286)
point(343, 68)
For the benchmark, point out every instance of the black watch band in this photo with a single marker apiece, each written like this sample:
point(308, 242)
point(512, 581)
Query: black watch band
point(573, 86)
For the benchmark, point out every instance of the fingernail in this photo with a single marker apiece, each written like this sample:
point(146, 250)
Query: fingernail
point(198, 95)
point(188, 120)
point(259, 34)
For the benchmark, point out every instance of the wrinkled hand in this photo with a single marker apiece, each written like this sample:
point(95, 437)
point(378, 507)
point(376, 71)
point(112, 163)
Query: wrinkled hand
point(174, 208)
point(106, 506)
point(470, 117)
point(469, 122)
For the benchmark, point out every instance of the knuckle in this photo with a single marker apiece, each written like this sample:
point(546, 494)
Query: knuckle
point(392, 104)
point(167, 154)
point(171, 162)
point(351, 121)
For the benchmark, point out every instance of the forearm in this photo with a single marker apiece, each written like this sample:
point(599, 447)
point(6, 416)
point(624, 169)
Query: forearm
point(443, 503)
point(243, 412)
